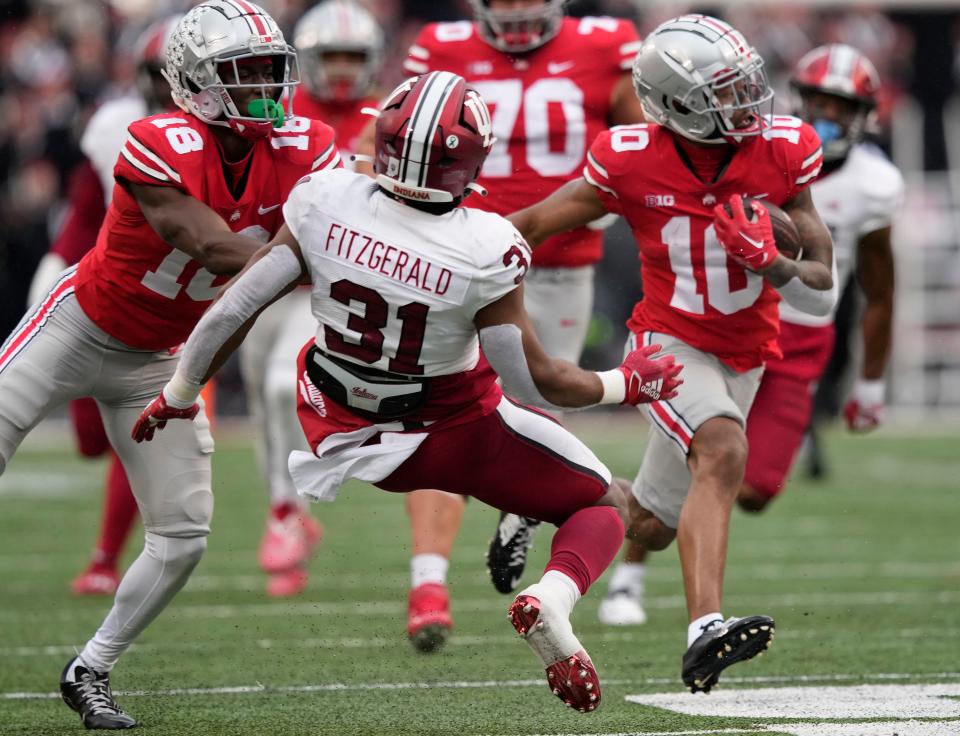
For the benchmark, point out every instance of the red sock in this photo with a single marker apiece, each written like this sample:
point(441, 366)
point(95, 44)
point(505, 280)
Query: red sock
point(586, 543)
point(119, 513)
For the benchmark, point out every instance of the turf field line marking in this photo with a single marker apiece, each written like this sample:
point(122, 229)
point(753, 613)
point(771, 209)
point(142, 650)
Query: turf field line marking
point(828, 571)
point(380, 642)
point(485, 605)
point(483, 684)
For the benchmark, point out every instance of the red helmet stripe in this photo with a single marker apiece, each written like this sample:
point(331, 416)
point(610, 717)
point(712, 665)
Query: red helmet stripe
point(253, 15)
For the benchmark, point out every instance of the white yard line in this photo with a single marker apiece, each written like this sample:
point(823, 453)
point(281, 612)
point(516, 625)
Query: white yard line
point(637, 636)
point(483, 684)
point(396, 607)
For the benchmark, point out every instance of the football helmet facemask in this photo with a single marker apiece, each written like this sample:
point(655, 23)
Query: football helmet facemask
point(338, 26)
point(433, 134)
point(517, 30)
point(221, 36)
point(843, 72)
point(699, 77)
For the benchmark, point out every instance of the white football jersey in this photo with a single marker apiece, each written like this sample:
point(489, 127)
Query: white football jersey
point(105, 134)
point(860, 197)
point(395, 288)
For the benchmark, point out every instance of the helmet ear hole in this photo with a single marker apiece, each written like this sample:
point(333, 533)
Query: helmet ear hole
point(680, 107)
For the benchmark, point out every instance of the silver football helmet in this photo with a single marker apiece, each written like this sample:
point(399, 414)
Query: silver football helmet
point(518, 30)
point(699, 77)
point(332, 26)
point(222, 32)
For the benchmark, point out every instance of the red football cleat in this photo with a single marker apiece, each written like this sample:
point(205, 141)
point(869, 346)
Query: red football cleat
point(428, 616)
point(287, 583)
point(289, 542)
point(571, 675)
point(96, 580)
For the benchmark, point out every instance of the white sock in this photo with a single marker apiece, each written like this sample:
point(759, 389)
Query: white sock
point(628, 576)
point(699, 626)
point(561, 588)
point(428, 568)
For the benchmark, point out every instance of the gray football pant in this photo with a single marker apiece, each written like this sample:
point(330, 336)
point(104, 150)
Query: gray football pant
point(57, 354)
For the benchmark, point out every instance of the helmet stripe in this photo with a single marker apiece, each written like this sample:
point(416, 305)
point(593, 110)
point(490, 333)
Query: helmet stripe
point(423, 126)
point(254, 16)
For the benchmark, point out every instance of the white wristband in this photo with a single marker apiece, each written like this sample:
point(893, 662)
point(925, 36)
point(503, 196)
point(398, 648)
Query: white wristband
point(614, 386)
point(180, 393)
point(869, 392)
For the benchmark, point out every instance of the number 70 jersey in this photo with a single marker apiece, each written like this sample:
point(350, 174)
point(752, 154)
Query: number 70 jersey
point(691, 289)
point(546, 107)
point(143, 291)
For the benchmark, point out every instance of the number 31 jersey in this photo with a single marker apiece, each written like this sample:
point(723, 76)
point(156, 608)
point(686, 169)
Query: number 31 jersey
point(148, 294)
point(546, 107)
point(691, 289)
point(394, 288)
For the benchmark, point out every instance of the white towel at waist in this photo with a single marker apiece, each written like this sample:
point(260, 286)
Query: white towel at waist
point(343, 456)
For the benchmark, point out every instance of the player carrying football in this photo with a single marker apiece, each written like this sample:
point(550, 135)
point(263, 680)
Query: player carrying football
point(406, 289)
point(553, 84)
point(197, 193)
point(712, 279)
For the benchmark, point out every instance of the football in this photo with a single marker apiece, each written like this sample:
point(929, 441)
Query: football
point(785, 233)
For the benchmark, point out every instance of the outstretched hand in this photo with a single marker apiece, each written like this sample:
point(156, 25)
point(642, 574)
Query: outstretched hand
point(650, 380)
point(750, 242)
point(156, 415)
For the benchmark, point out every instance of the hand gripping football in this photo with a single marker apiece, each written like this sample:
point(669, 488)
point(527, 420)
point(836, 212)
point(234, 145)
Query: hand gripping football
point(785, 232)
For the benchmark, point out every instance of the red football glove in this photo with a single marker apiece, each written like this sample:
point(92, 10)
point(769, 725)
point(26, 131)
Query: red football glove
point(649, 380)
point(749, 242)
point(156, 415)
point(864, 409)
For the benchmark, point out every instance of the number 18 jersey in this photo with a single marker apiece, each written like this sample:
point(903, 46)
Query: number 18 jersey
point(691, 289)
point(148, 294)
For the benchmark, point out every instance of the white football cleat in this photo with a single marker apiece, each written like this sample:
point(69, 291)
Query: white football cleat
point(620, 608)
point(571, 675)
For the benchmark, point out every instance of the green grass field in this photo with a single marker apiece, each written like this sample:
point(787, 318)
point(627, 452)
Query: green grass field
point(861, 572)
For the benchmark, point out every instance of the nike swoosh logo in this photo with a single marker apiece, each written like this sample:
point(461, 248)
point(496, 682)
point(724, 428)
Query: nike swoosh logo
point(261, 210)
point(555, 67)
point(758, 244)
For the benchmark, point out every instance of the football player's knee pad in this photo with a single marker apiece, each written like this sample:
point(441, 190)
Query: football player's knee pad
point(179, 554)
point(189, 517)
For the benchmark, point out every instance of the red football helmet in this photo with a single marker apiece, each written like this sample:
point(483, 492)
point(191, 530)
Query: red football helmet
point(150, 54)
point(433, 134)
point(840, 71)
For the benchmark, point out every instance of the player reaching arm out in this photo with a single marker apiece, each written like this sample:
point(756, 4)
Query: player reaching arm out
point(508, 341)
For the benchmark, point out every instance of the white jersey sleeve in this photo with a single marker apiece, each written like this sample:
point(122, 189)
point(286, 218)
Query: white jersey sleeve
point(883, 189)
point(104, 135)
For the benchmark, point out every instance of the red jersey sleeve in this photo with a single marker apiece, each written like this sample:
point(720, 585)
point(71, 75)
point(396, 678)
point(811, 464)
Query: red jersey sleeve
point(418, 59)
point(85, 213)
point(609, 160)
point(158, 151)
point(801, 150)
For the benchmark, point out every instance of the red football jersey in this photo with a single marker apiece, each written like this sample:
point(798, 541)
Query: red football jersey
point(691, 289)
point(346, 120)
point(546, 105)
point(148, 294)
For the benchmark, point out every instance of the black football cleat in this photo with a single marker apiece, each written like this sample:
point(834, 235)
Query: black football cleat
point(507, 555)
point(88, 693)
point(734, 640)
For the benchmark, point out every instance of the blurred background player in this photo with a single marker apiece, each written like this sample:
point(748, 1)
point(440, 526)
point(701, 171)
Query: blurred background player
point(91, 188)
point(339, 47)
point(552, 84)
point(712, 278)
point(857, 194)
